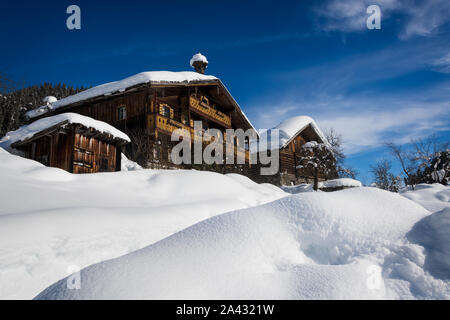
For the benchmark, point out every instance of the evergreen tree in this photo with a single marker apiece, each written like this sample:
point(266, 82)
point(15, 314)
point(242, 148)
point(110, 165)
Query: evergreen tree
point(15, 103)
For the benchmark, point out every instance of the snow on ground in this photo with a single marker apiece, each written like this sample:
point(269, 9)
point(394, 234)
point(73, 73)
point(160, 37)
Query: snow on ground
point(304, 187)
point(29, 130)
point(128, 165)
point(335, 183)
point(51, 220)
point(349, 244)
point(187, 234)
point(433, 233)
point(433, 197)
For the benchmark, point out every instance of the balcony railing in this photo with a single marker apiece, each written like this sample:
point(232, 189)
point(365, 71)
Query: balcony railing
point(203, 107)
point(168, 126)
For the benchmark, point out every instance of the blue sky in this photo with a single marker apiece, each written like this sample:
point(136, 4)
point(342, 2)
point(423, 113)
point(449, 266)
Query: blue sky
point(278, 58)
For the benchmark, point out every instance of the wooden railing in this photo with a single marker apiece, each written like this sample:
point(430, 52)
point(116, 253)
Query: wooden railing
point(156, 121)
point(168, 126)
point(202, 107)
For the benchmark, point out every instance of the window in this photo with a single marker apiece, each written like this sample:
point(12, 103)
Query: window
point(166, 111)
point(122, 113)
point(104, 164)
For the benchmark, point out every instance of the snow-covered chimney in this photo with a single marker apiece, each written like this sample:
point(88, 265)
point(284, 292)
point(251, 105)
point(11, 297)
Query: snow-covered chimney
point(199, 63)
point(49, 100)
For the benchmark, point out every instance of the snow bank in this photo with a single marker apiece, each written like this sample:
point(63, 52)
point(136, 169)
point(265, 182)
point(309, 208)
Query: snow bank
point(122, 85)
point(335, 183)
point(305, 246)
point(303, 187)
point(433, 197)
point(342, 182)
point(433, 233)
point(128, 165)
point(198, 57)
point(28, 131)
point(51, 220)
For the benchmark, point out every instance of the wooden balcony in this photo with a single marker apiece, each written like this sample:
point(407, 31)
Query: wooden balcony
point(202, 107)
point(168, 126)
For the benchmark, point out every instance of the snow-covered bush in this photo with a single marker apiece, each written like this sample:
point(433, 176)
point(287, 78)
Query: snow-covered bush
point(438, 169)
point(319, 158)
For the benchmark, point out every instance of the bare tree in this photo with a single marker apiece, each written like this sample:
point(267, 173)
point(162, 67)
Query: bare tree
point(409, 168)
point(335, 141)
point(384, 179)
point(140, 149)
point(415, 160)
point(425, 150)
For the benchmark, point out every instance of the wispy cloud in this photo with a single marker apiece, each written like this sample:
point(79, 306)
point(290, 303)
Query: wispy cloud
point(443, 64)
point(364, 130)
point(366, 123)
point(417, 18)
point(353, 96)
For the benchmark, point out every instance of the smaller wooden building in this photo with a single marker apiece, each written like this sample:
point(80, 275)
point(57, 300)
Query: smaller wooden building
point(293, 133)
point(72, 142)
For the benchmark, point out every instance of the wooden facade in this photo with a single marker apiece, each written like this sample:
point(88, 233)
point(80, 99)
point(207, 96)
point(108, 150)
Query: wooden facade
point(74, 148)
point(149, 113)
point(289, 161)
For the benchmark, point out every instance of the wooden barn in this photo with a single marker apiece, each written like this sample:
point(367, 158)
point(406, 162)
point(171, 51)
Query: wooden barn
point(294, 133)
point(72, 142)
point(149, 106)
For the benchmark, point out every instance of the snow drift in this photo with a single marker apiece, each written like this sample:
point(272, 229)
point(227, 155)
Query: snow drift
point(349, 244)
point(433, 197)
point(51, 220)
point(433, 233)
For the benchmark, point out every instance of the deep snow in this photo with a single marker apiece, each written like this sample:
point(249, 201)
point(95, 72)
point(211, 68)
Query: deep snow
point(433, 197)
point(51, 220)
point(189, 234)
point(349, 244)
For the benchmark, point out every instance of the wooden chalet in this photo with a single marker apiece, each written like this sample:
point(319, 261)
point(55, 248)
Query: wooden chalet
point(149, 106)
point(70, 142)
point(293, 134)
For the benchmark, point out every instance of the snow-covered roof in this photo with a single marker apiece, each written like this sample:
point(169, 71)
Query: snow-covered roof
point(122, 85)
point(198, 57)
point(290, 128)
point(28, 131)
point(287, 130)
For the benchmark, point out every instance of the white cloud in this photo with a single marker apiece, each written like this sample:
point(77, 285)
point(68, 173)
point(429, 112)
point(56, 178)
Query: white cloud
point(443, 64)
point(418, 18)
point(367, 130)
point(366, 122)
